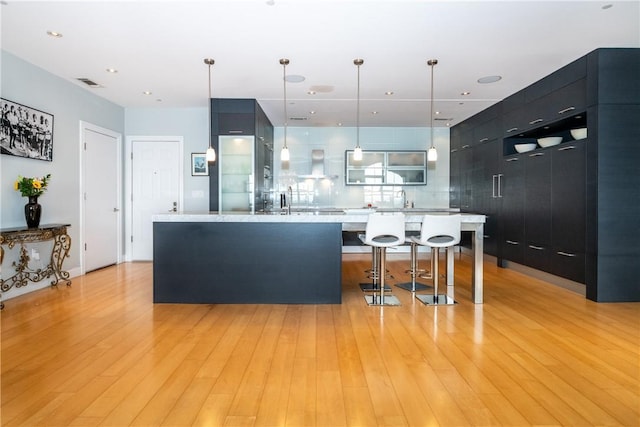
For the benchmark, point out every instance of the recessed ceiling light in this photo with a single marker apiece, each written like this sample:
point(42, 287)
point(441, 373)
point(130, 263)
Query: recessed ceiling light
point(607, 6)
point(147, 92)
point(311, 92)
point(54, 34)
point(489, 79)
point(339, 124)
point(437, 112)
point(465, 93)
point(112, 70)
point(389, 92)
point(374, 112)
point(312, 112)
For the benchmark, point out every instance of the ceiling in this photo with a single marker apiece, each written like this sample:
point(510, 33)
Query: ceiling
point(160, 46)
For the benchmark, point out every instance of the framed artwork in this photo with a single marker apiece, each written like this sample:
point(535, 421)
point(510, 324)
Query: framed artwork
point(199, 165)
point(25, 131)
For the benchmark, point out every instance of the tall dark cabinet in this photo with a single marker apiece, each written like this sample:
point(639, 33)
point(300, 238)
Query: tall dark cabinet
point(570, 209)
point(242, 118)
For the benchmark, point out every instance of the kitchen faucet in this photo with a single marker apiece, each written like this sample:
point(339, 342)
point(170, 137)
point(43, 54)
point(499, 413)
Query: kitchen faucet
point(405, 203)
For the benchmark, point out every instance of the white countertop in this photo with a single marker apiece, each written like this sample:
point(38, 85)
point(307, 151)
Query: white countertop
point(333, 216)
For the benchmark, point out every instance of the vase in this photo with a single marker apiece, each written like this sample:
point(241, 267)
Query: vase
point(32, 211)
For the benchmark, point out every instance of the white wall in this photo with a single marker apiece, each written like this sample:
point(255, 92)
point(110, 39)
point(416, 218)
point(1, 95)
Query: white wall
point(69, 103)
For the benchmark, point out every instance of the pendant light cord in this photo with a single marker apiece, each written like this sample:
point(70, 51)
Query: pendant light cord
point(432, 154)
point(284, 63)
point(432, 62)
point(209, 63)
point(358, 62)
point(211, 153)
point(358, 106)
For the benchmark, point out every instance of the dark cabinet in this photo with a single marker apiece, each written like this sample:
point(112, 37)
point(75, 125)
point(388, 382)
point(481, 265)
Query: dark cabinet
point(247, 175)
point(511, 246)
point(236, 124)
point(486, 190)
point(570, 209)
point(537, 209)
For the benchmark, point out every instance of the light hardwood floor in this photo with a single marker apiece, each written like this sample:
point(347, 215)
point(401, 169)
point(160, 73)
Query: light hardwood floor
point(101, 353)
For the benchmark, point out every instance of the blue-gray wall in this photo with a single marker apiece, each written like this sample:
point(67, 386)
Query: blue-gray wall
point(29, 85)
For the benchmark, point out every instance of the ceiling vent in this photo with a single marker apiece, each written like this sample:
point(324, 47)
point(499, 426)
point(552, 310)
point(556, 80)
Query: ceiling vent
point(88, 82)
point(299, 119)
point(443, 119)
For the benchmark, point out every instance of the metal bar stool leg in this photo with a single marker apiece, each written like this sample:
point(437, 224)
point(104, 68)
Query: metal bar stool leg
point(414, 272)
point(379, 298)
point(374, 273)
point(436, 299)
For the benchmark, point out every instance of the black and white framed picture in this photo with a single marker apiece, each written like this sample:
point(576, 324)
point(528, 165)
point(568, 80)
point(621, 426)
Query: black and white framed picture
point(26, 132)
point(199, 165)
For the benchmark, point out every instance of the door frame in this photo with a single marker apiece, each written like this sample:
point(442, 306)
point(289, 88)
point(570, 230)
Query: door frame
point(118, 137)
point(128, 184)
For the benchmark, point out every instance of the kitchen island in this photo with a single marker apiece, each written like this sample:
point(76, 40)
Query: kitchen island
point(229, 257)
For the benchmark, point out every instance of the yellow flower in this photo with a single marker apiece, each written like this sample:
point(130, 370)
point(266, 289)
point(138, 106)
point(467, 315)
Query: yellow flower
point(15, 185)
point(37, 183)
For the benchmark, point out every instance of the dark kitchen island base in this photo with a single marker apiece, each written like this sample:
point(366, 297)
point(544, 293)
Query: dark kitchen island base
point(247, 263)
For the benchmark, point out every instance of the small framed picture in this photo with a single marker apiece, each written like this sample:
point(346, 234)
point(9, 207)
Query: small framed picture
point(199, 165)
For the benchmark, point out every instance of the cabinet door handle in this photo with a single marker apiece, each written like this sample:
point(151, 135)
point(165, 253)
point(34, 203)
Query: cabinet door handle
point(513, 159)
point(537, 248)
point(536, 154)
point(483, 140)
point(533, 122)
point(466, 146)
point(235, 131)
point(512, 130)
point(500, 184)
point(568, 147)
point(493, 186)
point(566, 254)
point(453, 150)
point(511, 242)
point(566, 110)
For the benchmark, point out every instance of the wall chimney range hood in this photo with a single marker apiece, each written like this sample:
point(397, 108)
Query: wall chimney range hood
point(317, 167)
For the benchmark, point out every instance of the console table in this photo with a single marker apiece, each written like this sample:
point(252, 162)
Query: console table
point(23, 274)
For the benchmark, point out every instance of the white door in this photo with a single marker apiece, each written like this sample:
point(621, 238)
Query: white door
point(101, 196)
point(156, 187)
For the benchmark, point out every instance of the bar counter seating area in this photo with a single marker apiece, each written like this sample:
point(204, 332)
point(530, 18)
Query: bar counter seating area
point(296, 258)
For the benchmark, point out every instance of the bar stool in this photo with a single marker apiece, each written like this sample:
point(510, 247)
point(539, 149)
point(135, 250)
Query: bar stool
point(438, 231)
point(372, 273)
point(382, 232)
point(414, 271)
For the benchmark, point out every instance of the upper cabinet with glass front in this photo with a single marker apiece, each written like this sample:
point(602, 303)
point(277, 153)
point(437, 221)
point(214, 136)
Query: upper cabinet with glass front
point(386, 168)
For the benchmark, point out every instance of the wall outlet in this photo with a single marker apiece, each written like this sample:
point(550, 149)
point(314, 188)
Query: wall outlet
point(35, 254)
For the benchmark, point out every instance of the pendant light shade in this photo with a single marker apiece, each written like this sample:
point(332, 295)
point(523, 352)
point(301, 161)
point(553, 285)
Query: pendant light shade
point(284, 154)
point(432, 154)
point(211, 153)
point(357, 153)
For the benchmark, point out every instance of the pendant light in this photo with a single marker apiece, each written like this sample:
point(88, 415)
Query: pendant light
point(432, 154)
point(211, 153)
point(284, 154)
point(357, 153)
